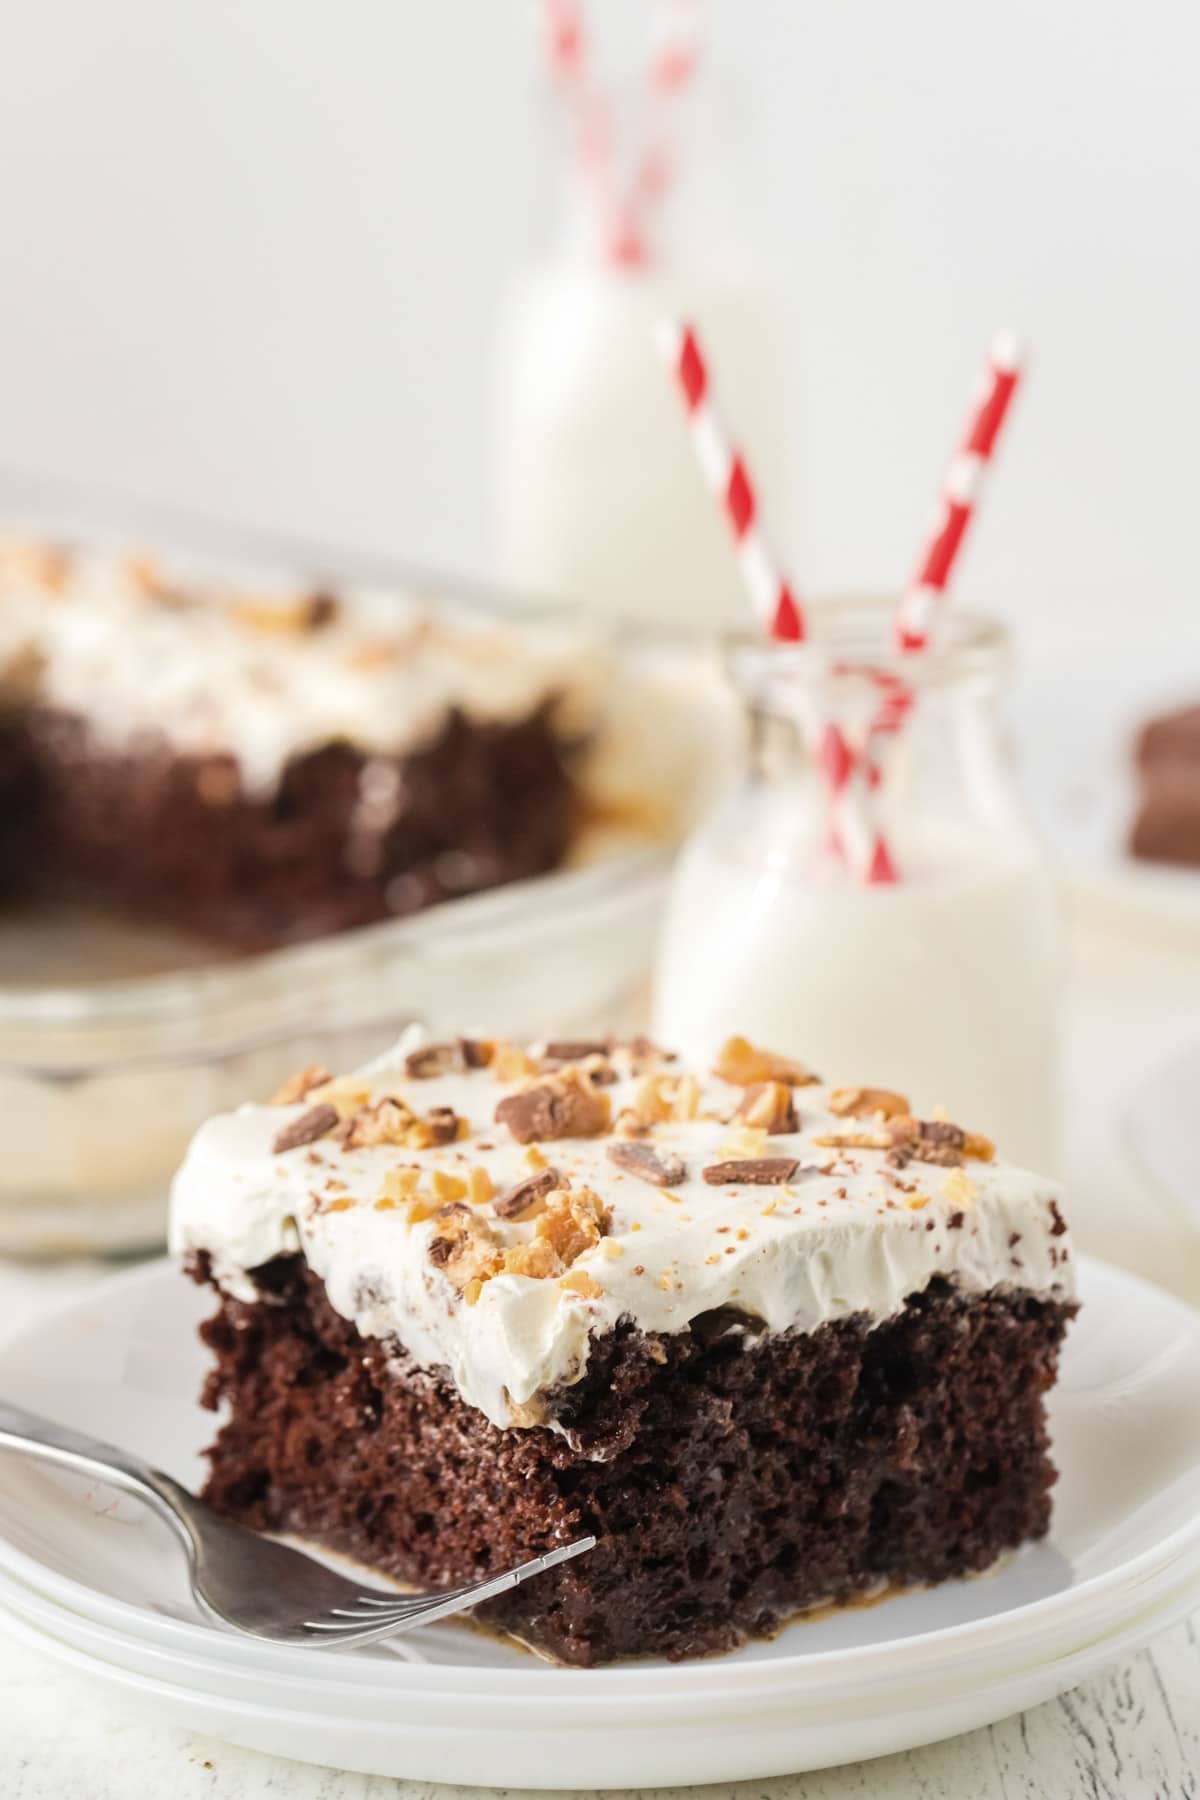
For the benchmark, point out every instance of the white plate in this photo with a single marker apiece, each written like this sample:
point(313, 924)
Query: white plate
point(742, 1744)
point(101, 1583)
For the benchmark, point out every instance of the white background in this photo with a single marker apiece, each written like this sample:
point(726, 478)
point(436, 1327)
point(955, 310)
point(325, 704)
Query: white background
point(251, 253)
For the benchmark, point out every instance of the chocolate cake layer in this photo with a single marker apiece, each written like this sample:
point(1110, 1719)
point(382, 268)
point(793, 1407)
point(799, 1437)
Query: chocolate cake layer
point(347, 838)
point(732, 1479)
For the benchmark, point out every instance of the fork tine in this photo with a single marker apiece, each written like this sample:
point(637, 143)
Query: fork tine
point(405, 1604)
point(422, 1609)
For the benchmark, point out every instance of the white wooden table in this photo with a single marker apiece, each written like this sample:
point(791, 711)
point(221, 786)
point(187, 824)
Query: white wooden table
point(1132, 1734)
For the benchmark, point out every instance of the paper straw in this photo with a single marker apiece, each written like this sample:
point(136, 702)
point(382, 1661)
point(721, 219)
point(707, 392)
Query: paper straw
point(959, 497)
point(775, 605)
point(622, 216)
point(845, 771)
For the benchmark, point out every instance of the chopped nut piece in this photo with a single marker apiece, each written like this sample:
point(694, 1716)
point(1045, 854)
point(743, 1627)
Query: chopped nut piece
point(751, 1140)
point(742, 1064)
point(580, 1282)
point(687, 1098)
point(562, 1106)
point(769, 1104)
point(480, 1186)
point(273, 616)
point(419, 1209)
point(653, 1099)
point(345, 1093)
point(510, 1063)
point(574, 1221)
point(387, 1122)
point(525, 1198)
point(401, 1183)
point(447, 1186)
point(659, 1167)
point(473, 1290)
point(958, 1187)
point(611, 1249)
point(536, 1259)
point(300, 1085)
point(310, 1126)
point(866, 1103)
point(854, 1140)
point(755, 1171)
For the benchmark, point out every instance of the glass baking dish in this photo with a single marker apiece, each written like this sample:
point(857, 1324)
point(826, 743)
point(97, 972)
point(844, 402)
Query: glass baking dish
point(106, 1070)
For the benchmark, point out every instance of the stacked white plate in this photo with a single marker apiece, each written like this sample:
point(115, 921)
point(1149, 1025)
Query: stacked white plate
point(96, 1582)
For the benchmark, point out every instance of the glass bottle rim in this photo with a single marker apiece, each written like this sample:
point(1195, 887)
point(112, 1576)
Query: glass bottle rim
point(852, 636)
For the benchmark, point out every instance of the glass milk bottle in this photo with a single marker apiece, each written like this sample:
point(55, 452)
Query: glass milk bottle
point(941, 985)
point(596, 496)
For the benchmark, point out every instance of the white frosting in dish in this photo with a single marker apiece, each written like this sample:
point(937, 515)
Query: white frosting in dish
point(143, 650)
point(847, 1234)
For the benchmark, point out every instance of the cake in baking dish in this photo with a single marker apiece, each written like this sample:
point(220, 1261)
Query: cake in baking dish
point(776, 1344)
point(262, 767)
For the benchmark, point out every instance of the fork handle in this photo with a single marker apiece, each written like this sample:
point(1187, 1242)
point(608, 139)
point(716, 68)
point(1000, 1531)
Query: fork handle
point(70, 1449)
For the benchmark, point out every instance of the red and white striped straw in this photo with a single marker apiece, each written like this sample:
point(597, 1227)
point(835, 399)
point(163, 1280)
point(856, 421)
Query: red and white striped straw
point(674, 60)
point(959, 497)
point(845, 771)
point(774, 603)
point(591, 128)
point(622, 216)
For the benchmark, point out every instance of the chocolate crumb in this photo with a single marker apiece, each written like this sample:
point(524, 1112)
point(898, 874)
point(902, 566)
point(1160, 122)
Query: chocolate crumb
point(752, 1171)
point(659, 1168)
point(522, 1195)
point(1060, 1224)
point(955, 1221)
point(569, 1050)
point(436, 1059)
point(564, 1106)
point(442, 1124)
point(306, 1129)
point(321, 610)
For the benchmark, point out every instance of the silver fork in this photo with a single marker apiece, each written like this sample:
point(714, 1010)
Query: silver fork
point(252, 1582)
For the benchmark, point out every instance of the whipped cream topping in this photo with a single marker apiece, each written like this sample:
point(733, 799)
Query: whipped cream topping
point(851, 1230)
point(144, 650)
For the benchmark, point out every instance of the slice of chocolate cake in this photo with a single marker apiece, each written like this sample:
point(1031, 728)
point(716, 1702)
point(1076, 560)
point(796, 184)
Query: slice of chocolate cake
point(266, 767)
point(776, 1344)
point(1167, 755)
